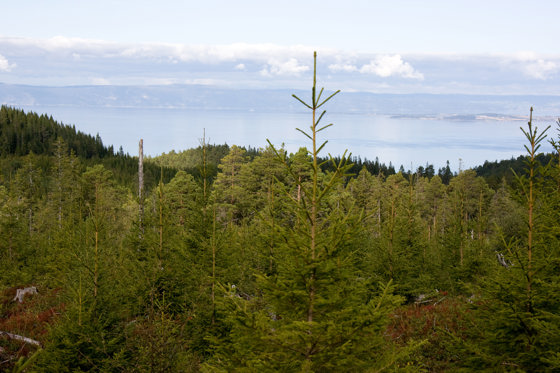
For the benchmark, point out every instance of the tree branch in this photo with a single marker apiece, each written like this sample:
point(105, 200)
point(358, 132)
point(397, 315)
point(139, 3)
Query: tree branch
point(21, 338)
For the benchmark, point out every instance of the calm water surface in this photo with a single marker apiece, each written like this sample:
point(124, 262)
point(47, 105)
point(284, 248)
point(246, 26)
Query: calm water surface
point(408, 142)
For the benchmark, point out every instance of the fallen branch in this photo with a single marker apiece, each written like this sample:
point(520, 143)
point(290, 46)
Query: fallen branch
point(20, 293)
point(21, 338)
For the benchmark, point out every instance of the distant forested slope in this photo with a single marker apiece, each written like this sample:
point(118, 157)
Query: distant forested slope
point(497, 171)
point(22, 133)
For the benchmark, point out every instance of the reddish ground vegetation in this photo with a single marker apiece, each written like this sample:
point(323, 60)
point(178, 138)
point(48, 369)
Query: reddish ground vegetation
point(437, 319)
point(29, 319)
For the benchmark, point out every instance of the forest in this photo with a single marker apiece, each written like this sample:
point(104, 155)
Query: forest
point(228, 259)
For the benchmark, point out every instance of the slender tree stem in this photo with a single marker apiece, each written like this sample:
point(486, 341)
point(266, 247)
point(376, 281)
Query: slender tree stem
point(313, 217)
point(531, 206)
point(213, 241)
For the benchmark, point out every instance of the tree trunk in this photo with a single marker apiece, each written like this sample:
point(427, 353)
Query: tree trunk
point(141, 184)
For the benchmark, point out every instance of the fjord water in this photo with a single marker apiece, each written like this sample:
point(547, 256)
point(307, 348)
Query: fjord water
point(410, 142)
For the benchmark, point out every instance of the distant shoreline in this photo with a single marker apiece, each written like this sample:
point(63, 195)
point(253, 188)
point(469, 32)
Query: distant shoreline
point(447, 117)
point(474, 117)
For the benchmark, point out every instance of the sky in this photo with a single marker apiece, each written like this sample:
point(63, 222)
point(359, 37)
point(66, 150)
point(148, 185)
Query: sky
point(397, 26)
point(399, 46)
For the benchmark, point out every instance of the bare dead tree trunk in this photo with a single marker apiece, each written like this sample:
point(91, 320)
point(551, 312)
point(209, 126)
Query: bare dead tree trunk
point(141, 184)
point(204, 171)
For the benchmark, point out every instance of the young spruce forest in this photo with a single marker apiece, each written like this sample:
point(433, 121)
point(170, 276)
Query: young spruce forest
point(226, 259)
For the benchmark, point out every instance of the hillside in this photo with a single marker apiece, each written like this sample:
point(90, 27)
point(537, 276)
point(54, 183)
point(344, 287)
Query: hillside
point(202, 97)
point(23, 133)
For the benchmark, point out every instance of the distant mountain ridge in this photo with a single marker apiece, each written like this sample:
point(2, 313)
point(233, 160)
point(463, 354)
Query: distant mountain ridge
point(201, 97)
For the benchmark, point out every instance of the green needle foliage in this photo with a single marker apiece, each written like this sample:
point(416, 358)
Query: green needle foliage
point(517, 313)
point(315, 313)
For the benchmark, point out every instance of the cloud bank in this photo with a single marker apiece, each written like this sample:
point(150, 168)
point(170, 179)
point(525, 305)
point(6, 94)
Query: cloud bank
point(5, 65)
point(386, 65)
point(72, 61)
point(541, 69)
point(284, 67)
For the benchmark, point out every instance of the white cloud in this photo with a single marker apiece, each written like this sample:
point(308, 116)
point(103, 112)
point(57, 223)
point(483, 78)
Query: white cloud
point(204, 82)
point(386, 65)
point(5, 65)
point(345, 67)
point(541, 69)
point(213, 54)
point(202, 53)
point(100, 81)
point(76, 46)
point(525, 56)
point(160, 81)
point(534, 67)
point(286, 67)
point(240, 66)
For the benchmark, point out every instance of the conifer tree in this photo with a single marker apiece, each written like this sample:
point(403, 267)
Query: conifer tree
point(13, 237)
point(469, 196)
point(92, 280)
point(263, 203)
point(517, 315)
point(64, 189)
point(314, 313)
point(367, 192)
point(227, 190)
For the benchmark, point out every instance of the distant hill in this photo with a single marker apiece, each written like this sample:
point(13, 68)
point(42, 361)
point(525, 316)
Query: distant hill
point(212, 98)
point(495, 172)
point(22, 133)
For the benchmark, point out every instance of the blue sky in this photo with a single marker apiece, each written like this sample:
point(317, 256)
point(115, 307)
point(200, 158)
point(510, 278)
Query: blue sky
point(431, 46)
point(397, 26)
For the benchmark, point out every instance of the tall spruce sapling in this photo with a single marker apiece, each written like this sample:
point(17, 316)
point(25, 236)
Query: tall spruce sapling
point(556, 145)
point(314, 313)
point(517, 314)
point(535, 140)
